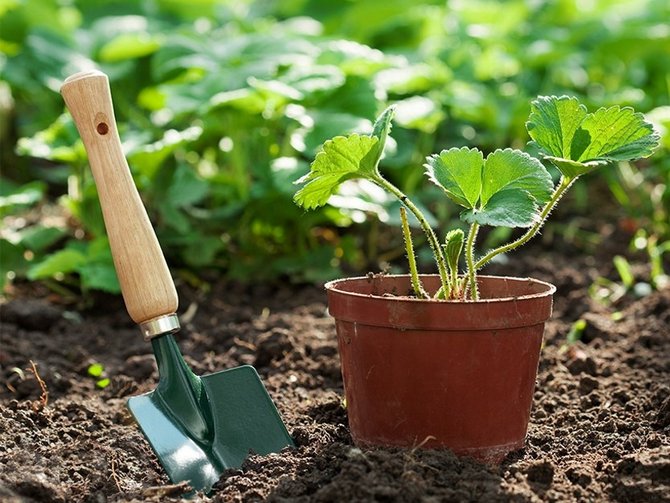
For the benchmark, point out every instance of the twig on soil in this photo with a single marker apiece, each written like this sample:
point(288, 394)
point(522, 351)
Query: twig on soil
point(112, 463)
point(411, 459)
point(44, 397)
point(168, 490)
point(244, 344)
point(427, 439)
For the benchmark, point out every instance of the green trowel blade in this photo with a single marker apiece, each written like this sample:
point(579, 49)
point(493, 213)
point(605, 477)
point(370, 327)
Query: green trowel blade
point(240, 418)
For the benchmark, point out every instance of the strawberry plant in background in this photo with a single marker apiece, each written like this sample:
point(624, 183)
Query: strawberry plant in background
point(222, 104)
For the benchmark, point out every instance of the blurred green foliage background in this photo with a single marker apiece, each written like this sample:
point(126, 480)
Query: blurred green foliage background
point(221, 105)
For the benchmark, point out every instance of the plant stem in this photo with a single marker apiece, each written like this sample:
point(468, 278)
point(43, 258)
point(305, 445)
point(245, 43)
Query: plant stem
point(430, 234)
point(563, 185)
point(411, 258)
point(469, 258)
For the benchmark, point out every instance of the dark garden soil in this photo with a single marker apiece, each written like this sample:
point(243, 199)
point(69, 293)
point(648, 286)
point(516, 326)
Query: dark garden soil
point(599, 429)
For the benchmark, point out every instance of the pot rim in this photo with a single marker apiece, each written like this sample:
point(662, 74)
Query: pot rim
point(549, 290)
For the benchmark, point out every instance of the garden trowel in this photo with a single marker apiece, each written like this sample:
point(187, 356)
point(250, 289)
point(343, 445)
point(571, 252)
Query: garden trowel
point(197, 425)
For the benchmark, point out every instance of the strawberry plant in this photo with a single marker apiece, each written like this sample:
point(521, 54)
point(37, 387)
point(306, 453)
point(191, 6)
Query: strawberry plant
point(506, 188)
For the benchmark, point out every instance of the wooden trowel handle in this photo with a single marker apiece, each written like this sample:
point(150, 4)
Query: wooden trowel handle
point(148, 289)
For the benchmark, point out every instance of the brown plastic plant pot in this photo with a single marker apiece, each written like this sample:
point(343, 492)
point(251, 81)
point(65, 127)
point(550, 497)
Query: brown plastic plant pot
point(436, 374)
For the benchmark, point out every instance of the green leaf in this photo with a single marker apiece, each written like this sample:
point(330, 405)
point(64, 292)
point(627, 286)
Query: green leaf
point(624, 269)
point(38, 238)
point(86, 208)
point(174, 217)
point(100, 276)
point(147, 158)
point(313, 79)
point(23, 196)
point(458, 171)
point(187, 188)
point(514, 186)
point(419, 112)
point(342, 158)
point(573, 169)
point(453, 247)
point(381, 130)
point(202, 252)
point(506, 189)
point(553, 122)
point(103, 383)
point(129, 46)
point(95, 369)
point(62, 262)
point(513, 170)
point(246, 100)
point(617, 134)
point(576, 331)
point(507, 209)
point(12, 260)
point(577, 142)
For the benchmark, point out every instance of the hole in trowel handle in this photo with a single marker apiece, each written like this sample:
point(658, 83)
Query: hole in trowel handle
point(102, 128)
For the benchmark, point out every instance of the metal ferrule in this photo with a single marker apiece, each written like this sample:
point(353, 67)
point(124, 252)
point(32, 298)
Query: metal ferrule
point(167, 324)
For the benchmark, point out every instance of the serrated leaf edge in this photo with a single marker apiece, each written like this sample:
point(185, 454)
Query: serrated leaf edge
point(430, 170)
point(523, 154)
point(654, 137)
point(537, 103)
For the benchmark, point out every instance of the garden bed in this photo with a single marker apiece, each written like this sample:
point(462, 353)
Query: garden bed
point(599, 426)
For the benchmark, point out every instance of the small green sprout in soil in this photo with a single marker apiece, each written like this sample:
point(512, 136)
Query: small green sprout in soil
point(610, 292)
point(574, 335)
point(96, 370)
point(507, 188)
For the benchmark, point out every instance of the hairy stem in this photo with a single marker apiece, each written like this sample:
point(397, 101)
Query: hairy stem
point(411, 258)
point(470, 261)
point(428, 231)
point(563, 185)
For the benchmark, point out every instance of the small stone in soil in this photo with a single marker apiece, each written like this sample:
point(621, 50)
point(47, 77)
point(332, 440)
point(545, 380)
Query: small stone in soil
point(582, 363)
point(271, 346)
point(579, 476)
point(140, 366)
point(541, 473)
point(587, 384)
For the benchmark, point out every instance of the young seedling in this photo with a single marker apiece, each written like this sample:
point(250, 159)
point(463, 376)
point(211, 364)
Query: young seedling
point(97, 371)
point(506, 188)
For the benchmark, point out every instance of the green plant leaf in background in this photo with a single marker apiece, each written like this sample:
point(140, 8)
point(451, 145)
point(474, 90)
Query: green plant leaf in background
point(578, 142)
point(91, 260)
point(224, 89)
point(62, 262)
point(38, 238)
point(13, 197)
point(13, 261)
point(186, 188)
point(98, 272)
point(129, 46)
